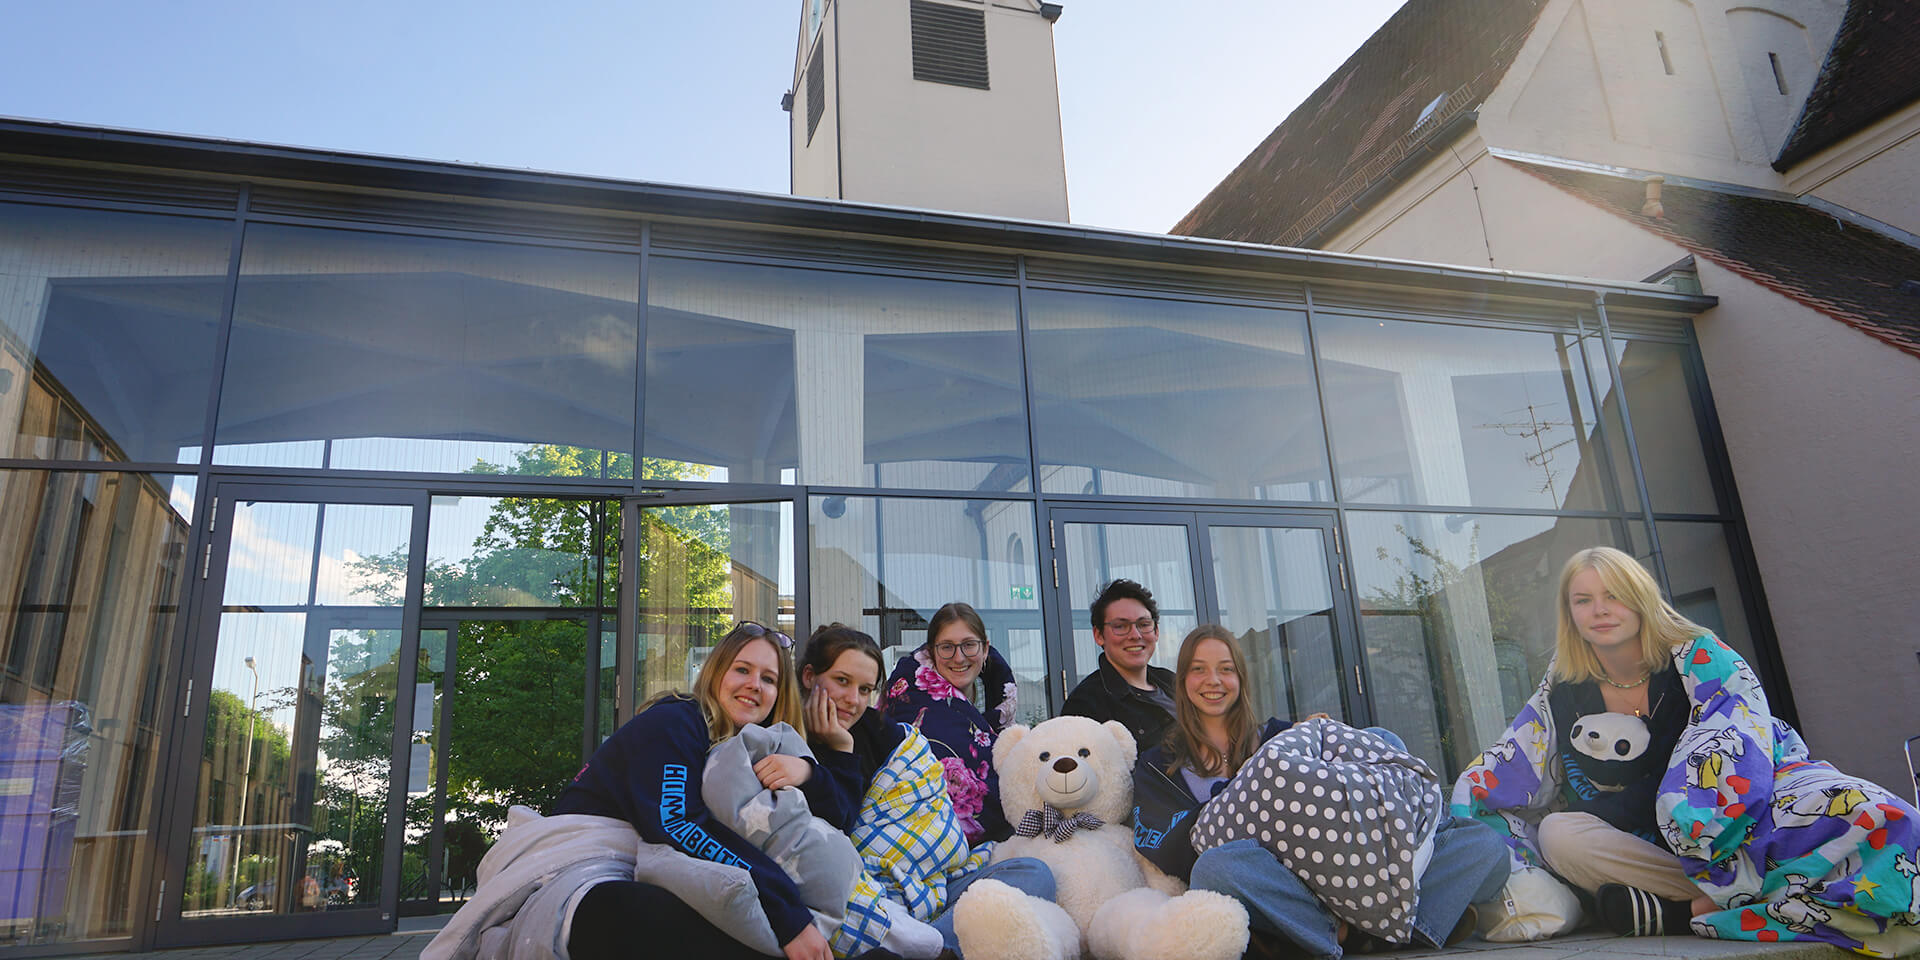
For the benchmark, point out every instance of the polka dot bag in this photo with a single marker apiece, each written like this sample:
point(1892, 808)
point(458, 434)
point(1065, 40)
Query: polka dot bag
point(1344, 810)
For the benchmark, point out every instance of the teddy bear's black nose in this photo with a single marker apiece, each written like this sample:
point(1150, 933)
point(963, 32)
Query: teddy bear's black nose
point(1065, 765)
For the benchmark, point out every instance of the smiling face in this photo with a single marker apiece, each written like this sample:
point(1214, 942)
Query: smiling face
point(1128, 646)
point(751, 682)
point(849, 683)
point(1603, 620)
point(951, 658)
point(1212, 681)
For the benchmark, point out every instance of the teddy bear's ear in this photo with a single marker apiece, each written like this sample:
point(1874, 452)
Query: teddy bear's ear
point(1124, 737)
point(1004, 745)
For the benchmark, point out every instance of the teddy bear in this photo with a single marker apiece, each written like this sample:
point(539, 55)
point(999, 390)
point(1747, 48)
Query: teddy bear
point(1067, 785)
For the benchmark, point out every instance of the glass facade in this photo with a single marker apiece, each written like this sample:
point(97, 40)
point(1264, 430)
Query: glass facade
point(460, 486)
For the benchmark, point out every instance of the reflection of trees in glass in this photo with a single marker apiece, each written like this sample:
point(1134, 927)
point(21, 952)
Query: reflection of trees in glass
point(354, 767)
point(223, 752)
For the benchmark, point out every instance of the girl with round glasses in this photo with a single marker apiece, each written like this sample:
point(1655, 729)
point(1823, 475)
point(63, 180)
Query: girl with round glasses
point(960, 693)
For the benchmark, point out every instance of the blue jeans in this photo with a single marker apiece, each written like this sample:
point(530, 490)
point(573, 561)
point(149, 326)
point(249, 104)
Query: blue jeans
point(1469, 865)
point(1025, 874)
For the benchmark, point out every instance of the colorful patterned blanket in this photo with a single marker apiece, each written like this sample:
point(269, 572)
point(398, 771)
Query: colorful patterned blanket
point(1791, 849)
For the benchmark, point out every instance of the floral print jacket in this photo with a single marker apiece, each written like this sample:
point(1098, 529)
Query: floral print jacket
point(961, 735)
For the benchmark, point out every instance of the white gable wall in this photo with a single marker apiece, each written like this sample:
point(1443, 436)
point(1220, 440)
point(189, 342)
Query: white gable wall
point(1591, 83)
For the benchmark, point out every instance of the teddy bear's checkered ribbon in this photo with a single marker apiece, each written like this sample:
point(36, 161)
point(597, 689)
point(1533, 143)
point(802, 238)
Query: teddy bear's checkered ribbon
point(1048, 821)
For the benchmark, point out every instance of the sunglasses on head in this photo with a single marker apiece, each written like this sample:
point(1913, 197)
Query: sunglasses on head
point(761, 630)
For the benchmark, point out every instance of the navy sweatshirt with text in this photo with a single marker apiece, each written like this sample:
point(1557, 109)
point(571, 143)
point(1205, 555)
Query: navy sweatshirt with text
point(649, 773)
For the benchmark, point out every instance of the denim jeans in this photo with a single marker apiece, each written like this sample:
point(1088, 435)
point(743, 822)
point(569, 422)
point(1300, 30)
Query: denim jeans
point(1469, 865)
point(1025, 874)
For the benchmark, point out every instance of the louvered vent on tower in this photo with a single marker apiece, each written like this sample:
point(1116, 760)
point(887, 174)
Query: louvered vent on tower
point(816, 90)
point(949, 44)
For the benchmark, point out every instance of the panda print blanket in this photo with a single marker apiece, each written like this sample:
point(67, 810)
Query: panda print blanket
point(1789, 848)
point(1349, 814)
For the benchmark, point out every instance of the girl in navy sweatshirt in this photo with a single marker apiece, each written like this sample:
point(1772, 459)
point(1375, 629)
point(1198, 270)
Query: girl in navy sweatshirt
point(649, 773)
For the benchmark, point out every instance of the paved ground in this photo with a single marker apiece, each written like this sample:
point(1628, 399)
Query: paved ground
point(407, 944)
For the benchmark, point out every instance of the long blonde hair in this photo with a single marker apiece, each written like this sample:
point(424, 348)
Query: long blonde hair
point(706, 687)
point(1662, 628)
point(1187, 739)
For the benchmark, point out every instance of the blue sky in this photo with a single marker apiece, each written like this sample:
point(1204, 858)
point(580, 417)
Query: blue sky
point(1158, 100)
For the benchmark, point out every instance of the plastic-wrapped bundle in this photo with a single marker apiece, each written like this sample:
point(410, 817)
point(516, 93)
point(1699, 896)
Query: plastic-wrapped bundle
point(43, 761)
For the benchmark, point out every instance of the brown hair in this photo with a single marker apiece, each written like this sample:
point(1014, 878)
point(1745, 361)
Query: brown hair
point(1187, 738)
point(1662, 628)
point(830, 641)
point(706, 687)
point(962, 612)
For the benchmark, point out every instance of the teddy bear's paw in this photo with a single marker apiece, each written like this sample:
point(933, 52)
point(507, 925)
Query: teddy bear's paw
point(994, 920)
point(1122, 921)
point(1197, 925)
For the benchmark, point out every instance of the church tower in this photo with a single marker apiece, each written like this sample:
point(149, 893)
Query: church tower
point(939, 104)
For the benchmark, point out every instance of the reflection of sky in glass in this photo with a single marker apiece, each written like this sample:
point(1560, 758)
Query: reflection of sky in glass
point(276, 643)
point(354, 534)
point(271, 559)
point(180, 496)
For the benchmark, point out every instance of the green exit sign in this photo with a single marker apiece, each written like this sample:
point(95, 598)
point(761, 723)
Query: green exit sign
point(1021, 593)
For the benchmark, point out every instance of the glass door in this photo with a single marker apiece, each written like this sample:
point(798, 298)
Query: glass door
point(1274, 579)
point(1279, 586)
point(288, 806)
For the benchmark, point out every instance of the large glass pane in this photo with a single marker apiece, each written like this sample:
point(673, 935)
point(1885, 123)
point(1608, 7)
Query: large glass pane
point(1154, 555)
point(702, 569)
point(1167, 398)
point(1665, 427)
point(885, 564)
point(91, 570)
point(375, 352)
point(1273, 593)
point(857, 380)
point(519, 552)
point(295, 768)
point(107, 326)
point(1443, 414)
point(1706, 589)
point(1457, 618)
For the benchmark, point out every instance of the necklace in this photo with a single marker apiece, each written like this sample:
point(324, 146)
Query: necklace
point(1624, 686)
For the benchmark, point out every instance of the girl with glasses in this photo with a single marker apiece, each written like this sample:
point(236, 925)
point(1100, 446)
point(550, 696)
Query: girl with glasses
point(960, 693)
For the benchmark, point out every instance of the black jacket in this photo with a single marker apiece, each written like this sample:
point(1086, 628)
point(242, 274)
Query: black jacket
point(1106, 695)
point(1164, 809)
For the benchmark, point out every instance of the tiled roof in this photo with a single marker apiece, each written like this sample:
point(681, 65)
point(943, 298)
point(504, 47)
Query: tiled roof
point(1360, 122)
point(1872, 70)
point(1865, 279)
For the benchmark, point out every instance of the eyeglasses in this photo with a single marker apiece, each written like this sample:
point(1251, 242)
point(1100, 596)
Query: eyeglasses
point(1145, 626)
point(761, 630)
point(946, 651)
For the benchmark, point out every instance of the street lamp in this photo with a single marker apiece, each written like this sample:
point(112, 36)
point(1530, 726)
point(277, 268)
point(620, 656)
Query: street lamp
point(246, 780)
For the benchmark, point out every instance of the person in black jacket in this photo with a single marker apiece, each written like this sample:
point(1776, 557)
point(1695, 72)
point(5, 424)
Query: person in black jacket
point(649, 773)
point(1126, 687)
